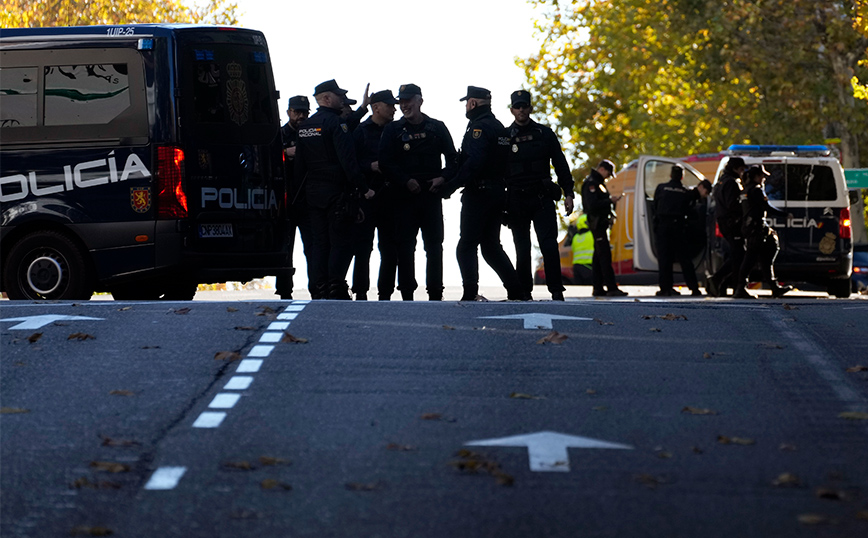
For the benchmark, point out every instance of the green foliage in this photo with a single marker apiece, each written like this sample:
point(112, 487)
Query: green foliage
point(675, 77)
point(35, 13)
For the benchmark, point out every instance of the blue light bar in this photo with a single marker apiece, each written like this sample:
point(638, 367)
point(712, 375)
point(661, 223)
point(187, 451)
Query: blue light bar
point(203, 55)
point(260, 58)
point(146, 44)
point(743, 148)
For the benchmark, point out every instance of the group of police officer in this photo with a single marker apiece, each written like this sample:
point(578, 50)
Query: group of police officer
point(349, 179)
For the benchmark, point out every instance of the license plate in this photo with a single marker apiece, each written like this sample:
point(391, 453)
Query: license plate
point(215, 230)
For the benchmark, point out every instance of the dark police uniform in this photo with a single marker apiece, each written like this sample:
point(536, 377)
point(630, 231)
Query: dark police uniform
point(597, 204)
point(761, 242)
point(408, 152)
point(531, 198)
point(326, 163)
point(482, 171)
point(378, 215)
point(727, 213)
point(673, 205)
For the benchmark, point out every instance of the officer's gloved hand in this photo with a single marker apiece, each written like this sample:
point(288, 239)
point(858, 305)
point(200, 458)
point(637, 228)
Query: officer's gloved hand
point(436, 183)
point(413, 186)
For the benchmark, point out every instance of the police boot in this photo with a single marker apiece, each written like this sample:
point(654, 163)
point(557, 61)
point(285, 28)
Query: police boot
point(741, 293)
point(361, 296)
point(339, 291)
point(319, 291)
point(779, 291)
point(407, 295)
point(557, 296)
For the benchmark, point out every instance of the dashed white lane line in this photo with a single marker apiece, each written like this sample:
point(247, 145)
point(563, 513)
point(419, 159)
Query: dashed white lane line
point(294, 308)
point(209, 419)
point(224, 400)
point(239, 382)
point(278, 326)
point(260, 351)
point(249, 366)
point(288, 315)
point(270, 338)
point(165, 478)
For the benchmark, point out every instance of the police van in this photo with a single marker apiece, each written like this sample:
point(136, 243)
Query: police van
point(806, 182)
point(139, 160)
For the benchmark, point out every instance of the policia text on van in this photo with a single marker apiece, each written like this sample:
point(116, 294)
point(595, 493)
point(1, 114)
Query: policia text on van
point(139, 160)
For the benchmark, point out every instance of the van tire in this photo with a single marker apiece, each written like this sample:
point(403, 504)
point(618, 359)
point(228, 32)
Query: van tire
point(47, 265)
point(840, 288)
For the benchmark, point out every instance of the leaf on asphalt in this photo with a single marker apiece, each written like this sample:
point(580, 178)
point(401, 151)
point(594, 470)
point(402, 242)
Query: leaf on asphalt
point(790, 307)
point(474, 463)
point(697, 450)
point(83, 530)
point(83, 482)
point(359, 486)
point(664, 455)
point(33, 338)
point(290, 339)
point(812, 519)
point(724, 440)
point(523, 396)
point(109, 467)
point(590, 391)
point(437, 416)
point(266, 311)
point(503, 479)
point(665, 317)
point(767, 345)
point(270, 483)
point(857, 368)
point(122, 393)
point(238, 465)
point(600, 408)
point(245, 328)
point(698, 411)
point(243, 513)
point(230, 309)
point(401, 448)
point(862, 514)
point(124, 309)
point(449, 328)
point(227, 356)
point(830, 494)
point(180, 311)
point(81, 337)
point(13, 410)
point(601, 322)
point(553, 337)
point(786, 447)
point(150, 347)
point(650, 480)
point(787, 480)
point(108, 441)
point(654, 330)
point(268, 460)
point(853, 415)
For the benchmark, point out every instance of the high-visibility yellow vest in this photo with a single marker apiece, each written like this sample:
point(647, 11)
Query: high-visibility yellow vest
point(583, 243)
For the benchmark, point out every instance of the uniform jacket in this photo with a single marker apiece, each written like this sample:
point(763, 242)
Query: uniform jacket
point(484, 149)
point(583, 243)
point(727, 211)
point(410, 151)
point(325, 160)
point(367, 141)
point(754, 207)
point(596, 201)
point(534, 148)
point(673, 202)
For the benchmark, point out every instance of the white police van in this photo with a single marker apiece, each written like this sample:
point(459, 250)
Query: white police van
point(138, 159)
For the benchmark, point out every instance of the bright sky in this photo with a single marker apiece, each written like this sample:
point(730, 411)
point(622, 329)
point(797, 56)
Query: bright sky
point(442, 46)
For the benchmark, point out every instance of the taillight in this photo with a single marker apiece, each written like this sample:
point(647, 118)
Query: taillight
point(845, 230)
point(717, 231)
point(171, 198)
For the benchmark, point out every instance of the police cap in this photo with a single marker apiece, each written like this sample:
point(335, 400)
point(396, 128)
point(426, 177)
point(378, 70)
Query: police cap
point(299, 102)
point(329, 86)
point(384, 96)
point(475, 92)
point(607, 165)
point(736, 162)
point(520, 98)
point(406, 91)
point(348, 101)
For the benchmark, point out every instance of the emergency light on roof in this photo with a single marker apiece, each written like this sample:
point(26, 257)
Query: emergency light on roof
point(742, 149)
point(146, 43)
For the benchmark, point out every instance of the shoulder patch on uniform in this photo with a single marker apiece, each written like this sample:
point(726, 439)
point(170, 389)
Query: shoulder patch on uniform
point(345, 128)
point(477, 133)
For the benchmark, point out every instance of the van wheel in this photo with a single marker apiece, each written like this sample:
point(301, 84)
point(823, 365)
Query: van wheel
point(179, 291)
point(47, 265)
point(839, 288)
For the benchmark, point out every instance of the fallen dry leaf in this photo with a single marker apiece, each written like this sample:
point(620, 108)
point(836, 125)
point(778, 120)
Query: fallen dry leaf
point(227, 356)
point(724, 440)
point(83, 482)
point(359, 486)
point(790, 307)
point(664, 455)
point(110, 466)
point(767, 345)
point(230, 309)
point(654, 330)
point(270, 483)
point(812, 519)
point(600, 408)
point(665, 317)
point(523, 396)
point(83, 530)
point(401, 448)
point(245, 328)
point(267, 460)
point(12, 410)
point(862, 514)
point(601, 322)
point(437, 416)
point(180, 311)
point(553, 337)
point(787, 480)
point(786, 447)
point(150, 347)
point(857, 368)
point(122, 393)
point(244, 514)
point(698, 411)
point(650, 481)
point(267, 310)
point(472, 463)
point(449, 328)
point(108, 441)
point(238, 465)
point(33, 338)
point(124, 309)
point(830, 494)
point(697, 450)
point(81, 337)
point(853, 415)
point(590, 391)
point(290, 339)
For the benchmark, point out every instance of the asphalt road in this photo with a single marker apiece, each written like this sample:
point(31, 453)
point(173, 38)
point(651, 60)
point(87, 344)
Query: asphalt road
point(682, 418)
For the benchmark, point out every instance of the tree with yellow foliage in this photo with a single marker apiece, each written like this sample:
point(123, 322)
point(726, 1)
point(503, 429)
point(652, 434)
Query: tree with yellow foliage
point(36, 13)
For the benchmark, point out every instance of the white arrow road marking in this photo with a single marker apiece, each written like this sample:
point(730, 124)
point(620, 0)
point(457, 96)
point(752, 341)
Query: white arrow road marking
point(37, 322)
point(547, 451)
point(536, 320)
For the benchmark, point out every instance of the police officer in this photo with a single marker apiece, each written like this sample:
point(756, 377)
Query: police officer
point(673, 205)
point(582, 247)
point(531, 195)
point(600, 207)
point(761, 242)
point(298, 111)
point(353, 118)
point(412, 151)
point(330, 176)
point(481, 171)
point(727, 213)
point(378, 212)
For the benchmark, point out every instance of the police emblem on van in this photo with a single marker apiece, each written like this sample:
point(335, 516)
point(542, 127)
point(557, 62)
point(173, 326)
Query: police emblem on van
point(140, 199)
point(827, 244)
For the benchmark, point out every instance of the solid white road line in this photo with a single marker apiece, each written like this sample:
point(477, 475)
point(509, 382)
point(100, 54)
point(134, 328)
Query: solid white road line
point(260, 351)
point(249, 366)
point(224, 401)
point(239, 382)
point(165, 478)
point(209, 419)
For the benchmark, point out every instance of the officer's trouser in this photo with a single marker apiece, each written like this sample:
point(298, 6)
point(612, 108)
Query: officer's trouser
point(671, 241)
point(423, 212)
point(601, 263)
point(524, 209)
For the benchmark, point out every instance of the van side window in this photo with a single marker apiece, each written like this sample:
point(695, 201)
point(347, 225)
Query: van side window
point(18, 97)
point(810, 183)
point(85, 94)
point(776, 184)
